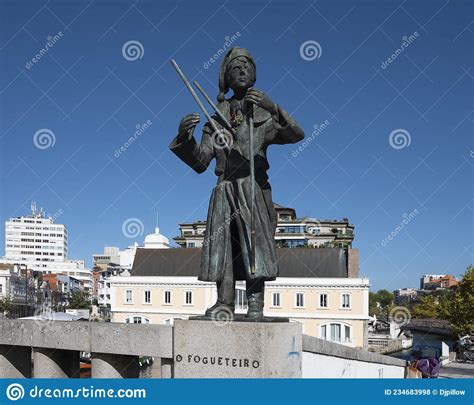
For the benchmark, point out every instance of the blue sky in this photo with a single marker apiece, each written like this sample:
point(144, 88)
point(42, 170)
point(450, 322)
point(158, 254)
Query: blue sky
point(91, 98)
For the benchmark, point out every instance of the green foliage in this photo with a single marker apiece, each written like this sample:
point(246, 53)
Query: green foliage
point(79, 300)
point(460, 310)
point(380, 302)
point(427, 308)
point(456, 306)
point(5, 305)
point(385, 298)
point(374, 309)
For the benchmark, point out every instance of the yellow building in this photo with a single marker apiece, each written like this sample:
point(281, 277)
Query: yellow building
point(313, 289)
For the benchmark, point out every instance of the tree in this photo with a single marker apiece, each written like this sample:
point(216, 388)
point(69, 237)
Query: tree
point(427, 308)
point(385, 298)
point(374, 307)
point(460, 310)
point(5, 306)
point(79, 300)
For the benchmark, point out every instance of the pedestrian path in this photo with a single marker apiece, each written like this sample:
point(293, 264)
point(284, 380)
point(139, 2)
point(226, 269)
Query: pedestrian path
point(457, 370)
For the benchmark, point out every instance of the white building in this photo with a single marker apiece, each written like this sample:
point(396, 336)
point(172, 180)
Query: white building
point(114, 262)
point(314, 289)
point(42, 245)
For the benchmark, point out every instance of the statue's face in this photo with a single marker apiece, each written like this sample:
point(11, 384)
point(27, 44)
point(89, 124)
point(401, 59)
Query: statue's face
point(240, 74)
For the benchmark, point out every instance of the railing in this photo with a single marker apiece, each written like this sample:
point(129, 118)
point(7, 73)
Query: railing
point(55, 346)
point(379, 342)
point(51, 349)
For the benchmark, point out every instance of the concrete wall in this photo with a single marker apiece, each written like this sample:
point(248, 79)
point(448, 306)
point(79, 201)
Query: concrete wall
point(321, 366)
point(353, 263)
point(115, 349)
point(322, 359)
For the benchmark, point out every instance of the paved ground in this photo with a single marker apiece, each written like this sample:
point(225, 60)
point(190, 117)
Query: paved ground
point(457, 370)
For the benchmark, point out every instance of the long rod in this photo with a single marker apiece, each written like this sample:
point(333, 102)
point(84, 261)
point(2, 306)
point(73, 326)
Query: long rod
point(214, 107)
point(252, 190)
point(196, 98)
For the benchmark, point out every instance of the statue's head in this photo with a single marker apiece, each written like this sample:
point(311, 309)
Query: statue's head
point(238, 72)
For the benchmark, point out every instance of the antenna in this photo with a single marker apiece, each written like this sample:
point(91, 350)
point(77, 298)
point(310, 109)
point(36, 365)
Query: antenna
point(157, 228)
point(33, 208)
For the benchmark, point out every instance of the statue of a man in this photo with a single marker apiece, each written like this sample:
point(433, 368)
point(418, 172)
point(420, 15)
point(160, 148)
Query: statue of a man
point(227, 252)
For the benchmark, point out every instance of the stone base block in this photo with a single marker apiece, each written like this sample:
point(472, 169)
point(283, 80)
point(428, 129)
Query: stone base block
point(206, 349)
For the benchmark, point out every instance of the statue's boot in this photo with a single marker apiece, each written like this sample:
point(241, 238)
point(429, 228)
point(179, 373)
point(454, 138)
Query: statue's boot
point(255, 306)
point(221, 312)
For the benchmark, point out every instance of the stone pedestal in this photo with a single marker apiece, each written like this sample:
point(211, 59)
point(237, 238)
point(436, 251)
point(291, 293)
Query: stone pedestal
point(206, 349)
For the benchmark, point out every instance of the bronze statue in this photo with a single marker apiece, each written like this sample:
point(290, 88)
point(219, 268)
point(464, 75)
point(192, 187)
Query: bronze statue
point(241, 222)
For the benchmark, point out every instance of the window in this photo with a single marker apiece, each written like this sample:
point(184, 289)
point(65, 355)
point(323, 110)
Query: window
point(347, 333)
point(167, 297)
point(346, 301)
point(323, 300)
point(276, 299)
point(336, 332)
point(1, 288)
point(240, 299)
point(147, 297)
point(299, 300)
point(191, 244)
point(323, 332)
point(137, 319)
point(188, 298)
point(128, 296)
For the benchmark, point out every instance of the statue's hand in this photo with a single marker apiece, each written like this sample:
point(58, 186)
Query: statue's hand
point(260, 99)
point(187, 124)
